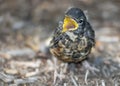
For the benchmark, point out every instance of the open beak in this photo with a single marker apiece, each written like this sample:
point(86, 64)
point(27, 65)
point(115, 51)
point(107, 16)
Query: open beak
point(69, 24)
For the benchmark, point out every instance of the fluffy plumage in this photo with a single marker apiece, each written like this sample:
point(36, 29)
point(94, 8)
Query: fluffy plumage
point(73, 45)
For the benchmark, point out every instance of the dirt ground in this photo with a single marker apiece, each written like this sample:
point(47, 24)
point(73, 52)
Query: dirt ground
point(25, 30)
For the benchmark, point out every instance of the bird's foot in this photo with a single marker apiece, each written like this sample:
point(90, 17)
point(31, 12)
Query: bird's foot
point(90, 68)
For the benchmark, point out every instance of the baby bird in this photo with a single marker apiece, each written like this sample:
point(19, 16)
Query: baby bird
point(73, 38)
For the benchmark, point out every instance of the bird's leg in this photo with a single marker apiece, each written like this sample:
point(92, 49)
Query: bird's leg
point(87, 66)
point(71, 66)
point(58, 73)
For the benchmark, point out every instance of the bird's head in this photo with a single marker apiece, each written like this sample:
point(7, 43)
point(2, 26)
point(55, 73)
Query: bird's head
point(74, 19)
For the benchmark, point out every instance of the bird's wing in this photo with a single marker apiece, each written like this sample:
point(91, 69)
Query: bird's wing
point(90, 34)
point(56, 35)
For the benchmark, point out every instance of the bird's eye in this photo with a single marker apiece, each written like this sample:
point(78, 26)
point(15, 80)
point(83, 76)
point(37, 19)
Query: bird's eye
point(81, 21)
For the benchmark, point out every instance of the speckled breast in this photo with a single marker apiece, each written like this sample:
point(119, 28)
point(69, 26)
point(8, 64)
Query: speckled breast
point(70, 47)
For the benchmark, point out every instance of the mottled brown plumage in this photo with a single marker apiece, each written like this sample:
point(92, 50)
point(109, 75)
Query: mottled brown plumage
point(73, 38)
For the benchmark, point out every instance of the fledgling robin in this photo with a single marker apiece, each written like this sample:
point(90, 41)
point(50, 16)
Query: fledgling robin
point(73, 38)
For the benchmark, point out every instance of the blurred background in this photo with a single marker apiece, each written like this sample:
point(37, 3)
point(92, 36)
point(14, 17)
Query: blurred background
point(25, 28)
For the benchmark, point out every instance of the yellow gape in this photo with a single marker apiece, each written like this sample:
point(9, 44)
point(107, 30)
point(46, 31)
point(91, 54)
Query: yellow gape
point(69, 24)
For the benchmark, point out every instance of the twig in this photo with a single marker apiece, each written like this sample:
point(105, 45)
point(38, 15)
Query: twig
point(55, 76)
point(26, 80)
point(86, 76)
point(29, 74)
point(33, 64)
point(6, 78)
point(102, 82)
point(65, 84)
point(74, 81)
point(55, 70)
point(115, 83)
point(20, 52)
point(96, 82)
